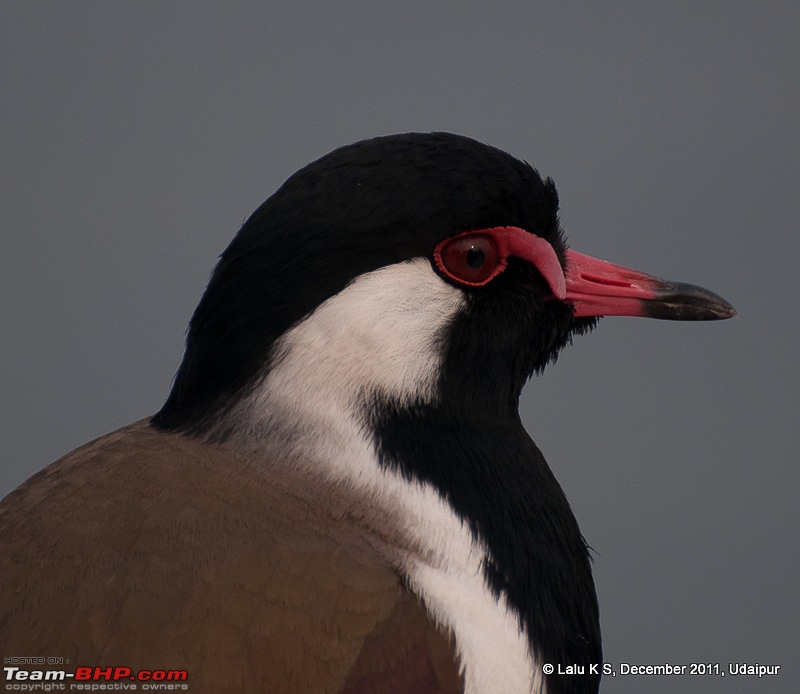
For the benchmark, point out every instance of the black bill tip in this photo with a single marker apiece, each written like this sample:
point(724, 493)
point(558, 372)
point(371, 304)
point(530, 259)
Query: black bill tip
point(687, 302)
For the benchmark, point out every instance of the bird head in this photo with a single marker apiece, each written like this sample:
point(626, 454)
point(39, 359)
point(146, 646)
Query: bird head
point(431, 266)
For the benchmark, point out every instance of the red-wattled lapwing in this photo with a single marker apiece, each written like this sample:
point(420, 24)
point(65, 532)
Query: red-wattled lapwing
point(338, 494)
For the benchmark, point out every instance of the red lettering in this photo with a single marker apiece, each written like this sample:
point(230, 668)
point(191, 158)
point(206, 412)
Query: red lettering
point(121, 672)
point(83, 673)
point(102, 673)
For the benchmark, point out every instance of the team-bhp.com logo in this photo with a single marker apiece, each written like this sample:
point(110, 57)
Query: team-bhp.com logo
point(85, 678)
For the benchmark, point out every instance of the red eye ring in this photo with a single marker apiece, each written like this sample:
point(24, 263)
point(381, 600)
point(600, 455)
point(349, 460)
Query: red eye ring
point(490, 249)
point(472, 259)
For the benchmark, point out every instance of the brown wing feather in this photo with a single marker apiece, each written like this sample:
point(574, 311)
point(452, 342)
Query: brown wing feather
point(154, 551)
point(405, 654)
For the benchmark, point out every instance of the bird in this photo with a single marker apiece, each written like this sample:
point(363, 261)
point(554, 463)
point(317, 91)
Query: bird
point(338, 494)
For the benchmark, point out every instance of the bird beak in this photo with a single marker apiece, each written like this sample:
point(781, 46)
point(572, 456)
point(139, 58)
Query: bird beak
point(598, 288)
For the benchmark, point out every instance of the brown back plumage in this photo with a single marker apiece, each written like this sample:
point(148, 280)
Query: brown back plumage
point(153, 550)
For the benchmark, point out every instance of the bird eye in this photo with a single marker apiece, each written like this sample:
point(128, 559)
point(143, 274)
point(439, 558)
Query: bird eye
point(470, 259)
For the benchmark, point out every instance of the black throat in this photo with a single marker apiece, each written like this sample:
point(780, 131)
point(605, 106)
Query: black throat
point(498, 481)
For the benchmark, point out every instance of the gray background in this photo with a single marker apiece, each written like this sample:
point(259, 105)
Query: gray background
point(136, 139)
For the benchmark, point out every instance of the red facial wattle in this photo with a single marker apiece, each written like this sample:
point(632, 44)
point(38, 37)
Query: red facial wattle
point(451, 256)
point(594, 287)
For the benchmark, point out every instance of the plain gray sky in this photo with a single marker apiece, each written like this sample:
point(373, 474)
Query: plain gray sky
point(137, 137)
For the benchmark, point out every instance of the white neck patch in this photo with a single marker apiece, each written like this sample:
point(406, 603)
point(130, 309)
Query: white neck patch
point(383, 333)
point(380, 332)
